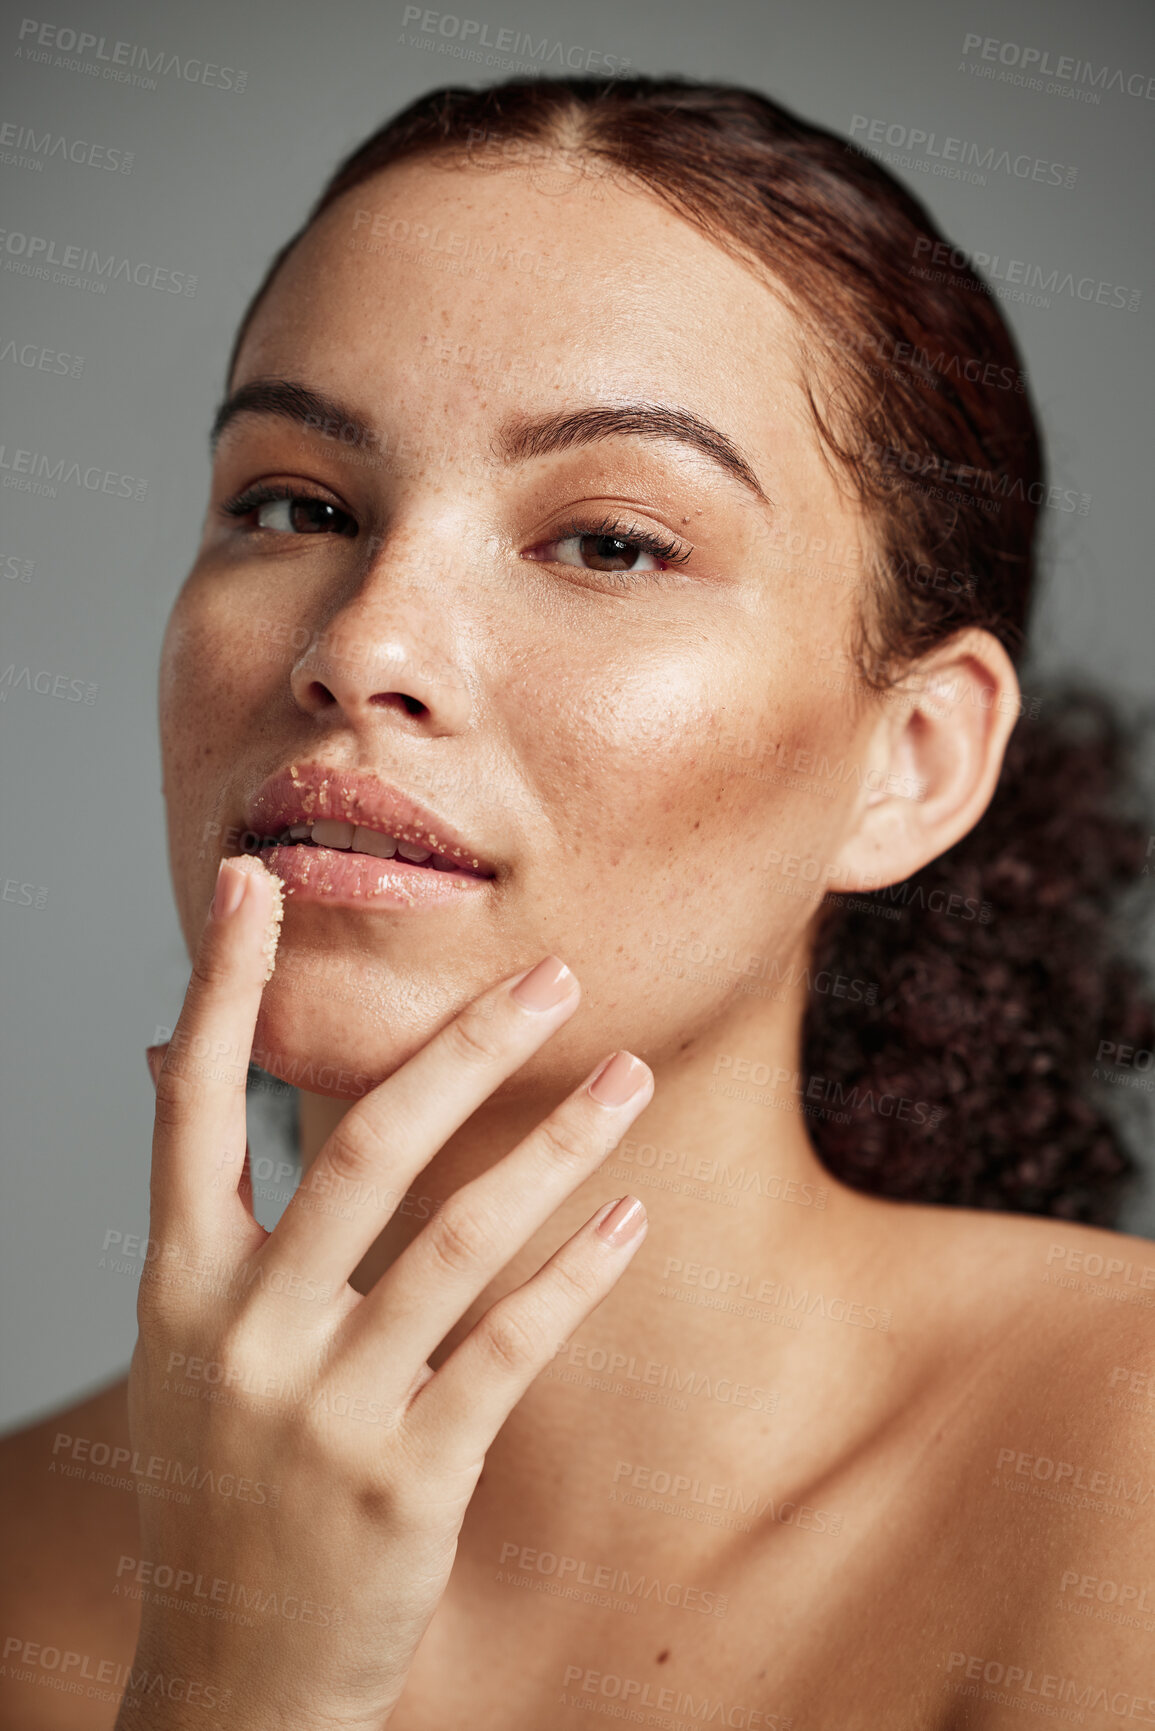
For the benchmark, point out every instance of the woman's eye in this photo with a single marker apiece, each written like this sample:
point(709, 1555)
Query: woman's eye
point(287, 513)
point(303, 515)
point(603, 553)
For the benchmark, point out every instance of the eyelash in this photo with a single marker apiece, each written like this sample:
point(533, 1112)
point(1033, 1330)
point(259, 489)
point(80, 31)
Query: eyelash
point(645, 540)
point(267, 493)
point(674, 552)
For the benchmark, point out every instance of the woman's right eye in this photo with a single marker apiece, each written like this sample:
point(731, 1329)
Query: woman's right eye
point(288, 513)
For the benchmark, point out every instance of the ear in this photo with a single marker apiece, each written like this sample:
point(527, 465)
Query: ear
point(934, 748)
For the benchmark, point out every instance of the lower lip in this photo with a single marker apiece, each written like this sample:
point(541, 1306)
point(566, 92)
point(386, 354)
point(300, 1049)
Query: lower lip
point(342, 879)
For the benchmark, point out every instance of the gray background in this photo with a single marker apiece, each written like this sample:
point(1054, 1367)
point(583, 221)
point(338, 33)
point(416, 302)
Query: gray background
point(219, 179)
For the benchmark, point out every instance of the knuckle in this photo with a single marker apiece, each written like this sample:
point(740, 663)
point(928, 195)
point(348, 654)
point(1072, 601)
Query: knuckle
point(473, 1039)
point(210, 969)
point(566, 1142)
point(575, 1282)
point(460, 1241)
point(509, 1339)
point(353, 1153)
point(242, 1352)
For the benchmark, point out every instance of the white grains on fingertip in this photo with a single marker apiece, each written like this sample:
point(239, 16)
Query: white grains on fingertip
point(256, 867)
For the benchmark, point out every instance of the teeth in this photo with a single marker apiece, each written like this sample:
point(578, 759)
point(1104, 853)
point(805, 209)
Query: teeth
point(372, 841)
point(330, 833)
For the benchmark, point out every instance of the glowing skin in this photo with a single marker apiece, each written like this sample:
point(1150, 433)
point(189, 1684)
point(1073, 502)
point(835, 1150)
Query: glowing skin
point(583, 730)
point(592, 735)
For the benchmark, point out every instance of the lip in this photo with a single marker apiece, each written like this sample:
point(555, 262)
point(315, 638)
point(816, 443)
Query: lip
point(308, 792)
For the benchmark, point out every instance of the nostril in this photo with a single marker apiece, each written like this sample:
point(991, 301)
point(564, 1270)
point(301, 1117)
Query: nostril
point(411, 705)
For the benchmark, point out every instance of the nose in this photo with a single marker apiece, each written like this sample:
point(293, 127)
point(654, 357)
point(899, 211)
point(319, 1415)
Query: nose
point(385, 653)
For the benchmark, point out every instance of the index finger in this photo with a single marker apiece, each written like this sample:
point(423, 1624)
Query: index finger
point(200, 1127)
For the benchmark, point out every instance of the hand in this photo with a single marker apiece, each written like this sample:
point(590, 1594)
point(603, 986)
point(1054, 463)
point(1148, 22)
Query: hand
point(325, 1465)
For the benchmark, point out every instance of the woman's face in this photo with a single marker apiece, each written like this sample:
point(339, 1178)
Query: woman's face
point(637, 743)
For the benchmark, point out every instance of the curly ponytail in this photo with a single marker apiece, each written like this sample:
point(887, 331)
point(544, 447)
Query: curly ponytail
point(995, 1023)
point(1000, 987)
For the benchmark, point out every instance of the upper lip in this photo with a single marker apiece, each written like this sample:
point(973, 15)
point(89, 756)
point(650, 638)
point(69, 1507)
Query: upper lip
point(307, 792)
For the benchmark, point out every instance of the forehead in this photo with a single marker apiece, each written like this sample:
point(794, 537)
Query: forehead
point(559, 290)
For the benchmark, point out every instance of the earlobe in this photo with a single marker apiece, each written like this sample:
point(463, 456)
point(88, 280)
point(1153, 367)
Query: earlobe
point(935, 753)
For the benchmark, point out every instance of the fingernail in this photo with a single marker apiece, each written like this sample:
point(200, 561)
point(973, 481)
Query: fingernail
point(618, 1080)
point(230, 890)
point(154, 1058)
point(623, 1223)
point(545, 986)
point(250, 866)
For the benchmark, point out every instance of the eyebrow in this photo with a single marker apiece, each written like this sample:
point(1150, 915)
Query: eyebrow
point(519, 439)
point(544, 434)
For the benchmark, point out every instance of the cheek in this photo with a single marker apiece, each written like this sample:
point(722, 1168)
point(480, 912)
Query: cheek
point(682, 781)
point(617, 751)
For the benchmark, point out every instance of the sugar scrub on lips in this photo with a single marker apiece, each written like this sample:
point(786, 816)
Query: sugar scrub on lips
point(248, 862)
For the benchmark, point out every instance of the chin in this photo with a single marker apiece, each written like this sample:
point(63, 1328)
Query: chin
point(329, 1045)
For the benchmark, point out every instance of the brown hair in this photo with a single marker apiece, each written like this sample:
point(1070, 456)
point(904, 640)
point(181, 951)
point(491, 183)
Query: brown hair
point(999, 977)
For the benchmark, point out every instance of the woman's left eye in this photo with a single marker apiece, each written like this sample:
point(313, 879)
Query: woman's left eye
point(289, 513)
point(613, 547)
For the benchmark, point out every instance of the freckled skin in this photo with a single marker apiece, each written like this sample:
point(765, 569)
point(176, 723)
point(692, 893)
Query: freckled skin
point(593, 740)
point(572, 728)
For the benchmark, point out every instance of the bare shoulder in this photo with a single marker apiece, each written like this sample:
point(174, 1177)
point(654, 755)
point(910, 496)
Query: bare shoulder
point(65, 1526)
point(1063, 1466)
point(1048, 1280)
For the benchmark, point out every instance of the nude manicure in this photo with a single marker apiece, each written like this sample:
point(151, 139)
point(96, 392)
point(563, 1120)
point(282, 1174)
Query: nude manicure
point(230, 891)
point(545, 986)
point(232, 884)
point(623, 1222)
point(618, 1080)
